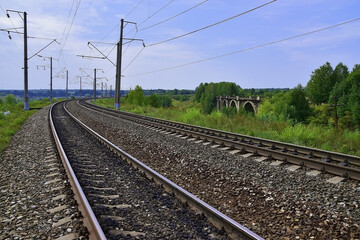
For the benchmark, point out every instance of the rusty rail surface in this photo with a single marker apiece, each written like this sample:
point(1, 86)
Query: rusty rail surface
point(89, 219)
point(339, 164)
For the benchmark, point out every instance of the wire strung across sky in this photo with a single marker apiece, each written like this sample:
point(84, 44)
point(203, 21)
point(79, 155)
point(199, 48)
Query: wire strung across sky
point(211, 25)
point(203, 28)
point(246, 49)
point(177, 15)
point(67, 21)
point(133, 9)
point(72, 22)
point(152, 15)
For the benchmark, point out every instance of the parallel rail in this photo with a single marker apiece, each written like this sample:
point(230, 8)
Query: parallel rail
point(89, 219)
point(233, 229)
point(344, 165)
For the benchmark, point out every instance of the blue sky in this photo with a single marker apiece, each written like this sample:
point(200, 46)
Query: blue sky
point(280, 65)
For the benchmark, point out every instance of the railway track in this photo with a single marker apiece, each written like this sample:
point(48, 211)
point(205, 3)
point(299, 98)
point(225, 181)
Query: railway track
point(118, 201)
point(346, 166)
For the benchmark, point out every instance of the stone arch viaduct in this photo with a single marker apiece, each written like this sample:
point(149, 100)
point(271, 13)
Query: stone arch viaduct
point(249, 104)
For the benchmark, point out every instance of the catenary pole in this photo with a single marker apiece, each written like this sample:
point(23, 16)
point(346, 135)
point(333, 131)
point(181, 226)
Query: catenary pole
point(118, 67)
point(94, 84)
point(80, 89)
point(26, 86)
point(67, 82)
point(51, 79)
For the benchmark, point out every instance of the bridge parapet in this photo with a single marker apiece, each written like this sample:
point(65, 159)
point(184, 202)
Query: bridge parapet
point(250, 104)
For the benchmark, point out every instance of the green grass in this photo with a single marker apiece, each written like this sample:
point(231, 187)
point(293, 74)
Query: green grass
point(321, 137)
point(11, 123)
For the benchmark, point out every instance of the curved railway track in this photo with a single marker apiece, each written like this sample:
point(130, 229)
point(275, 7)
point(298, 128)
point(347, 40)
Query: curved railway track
point(347, 166)
point(117, 200)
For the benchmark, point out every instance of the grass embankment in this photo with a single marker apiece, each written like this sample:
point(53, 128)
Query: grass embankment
point(11, 123)
point(321, 137)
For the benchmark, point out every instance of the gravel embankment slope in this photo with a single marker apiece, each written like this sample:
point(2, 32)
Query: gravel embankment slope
point(36, 201)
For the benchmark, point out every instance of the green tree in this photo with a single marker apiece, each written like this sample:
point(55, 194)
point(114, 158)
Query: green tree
point(165, 101)
point(320, 84)
point(341, 72)
point(206, 93)
point(199, 91)
point(291, 105)
point(208, 99)
point(10, 100)
point(354, 96)
point(300, 109)
point(347, 96)
point(136, 96)
point(153, 101)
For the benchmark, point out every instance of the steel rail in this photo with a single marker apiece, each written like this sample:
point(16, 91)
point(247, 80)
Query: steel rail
point(220, 220)
point(307, 157)
point(89, 218)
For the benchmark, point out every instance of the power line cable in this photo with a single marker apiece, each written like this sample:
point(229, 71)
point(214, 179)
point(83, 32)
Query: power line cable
point(12, 55)
point(67, 21)
point(150, 16)
point(72, 22)
point(133, 9)
point(168, 19)
point(247, 49)
point(14, 29)
point(211, 25)
point(133, 59)
point(116, 26)
point(18, 33)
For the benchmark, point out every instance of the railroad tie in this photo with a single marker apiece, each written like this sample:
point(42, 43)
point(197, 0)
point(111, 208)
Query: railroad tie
point(313, 173)
point(276, 163)
point(261, 159)
point(293, 168)
point(215, 146)
point(247, 155)
point(335, 180)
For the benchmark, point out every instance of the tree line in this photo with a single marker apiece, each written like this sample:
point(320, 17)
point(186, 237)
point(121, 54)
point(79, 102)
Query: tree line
point(137, 97)
point(331, 97)
point(338, 91)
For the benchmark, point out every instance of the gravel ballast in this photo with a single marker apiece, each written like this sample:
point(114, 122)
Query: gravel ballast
point(127, 204)
point(36, 201)
point(270, 200)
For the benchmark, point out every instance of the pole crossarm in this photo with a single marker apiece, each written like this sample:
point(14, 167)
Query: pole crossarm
point(11, 29)
point(54, 40)
point(84, 56)
point(88, 75)
point(134, 39)
point(89, 43)
point(63, 69)
point(47, 57)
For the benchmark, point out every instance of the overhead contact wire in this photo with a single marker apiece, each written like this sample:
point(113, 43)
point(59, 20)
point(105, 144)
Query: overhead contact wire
point(212, 25)
point(168, 19)
point(247, 49)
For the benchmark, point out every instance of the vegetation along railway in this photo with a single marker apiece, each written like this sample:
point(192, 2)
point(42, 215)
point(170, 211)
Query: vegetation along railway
point(118, 201)
point(237, 175)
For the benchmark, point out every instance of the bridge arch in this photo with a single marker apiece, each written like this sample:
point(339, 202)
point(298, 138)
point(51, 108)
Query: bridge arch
point(235, 104)
point(249, 106)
